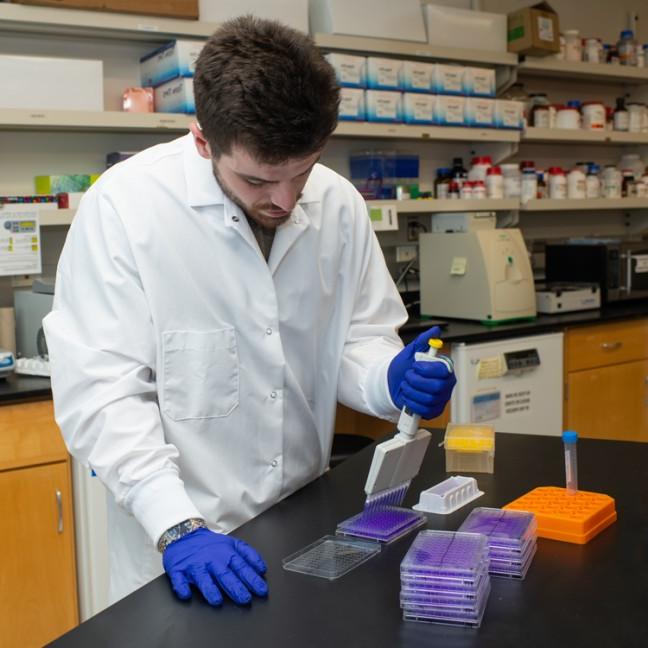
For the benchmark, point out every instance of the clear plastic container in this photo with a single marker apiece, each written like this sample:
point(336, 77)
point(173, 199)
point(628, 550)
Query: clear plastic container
point(573, 45)
point(469, 448)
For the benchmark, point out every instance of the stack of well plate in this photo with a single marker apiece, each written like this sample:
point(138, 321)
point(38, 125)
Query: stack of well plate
point(444, 578)
point(512, 539)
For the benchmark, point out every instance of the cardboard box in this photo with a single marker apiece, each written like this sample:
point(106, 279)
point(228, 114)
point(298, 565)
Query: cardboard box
point(534, 30)
point(448, 79)
point(449, 111)
point(293, 13)
point(509, 114)
point(350, 71)
point(480, 113)
point(384, 73)
point(384, 106)
point(168, 8)
point(417, 76)
point(352, 104)
point(402, 20)
point(175, 96)
point(418, 108)
point(479, 82)
point(51, 83)
point(478, 30)
point(173, 59)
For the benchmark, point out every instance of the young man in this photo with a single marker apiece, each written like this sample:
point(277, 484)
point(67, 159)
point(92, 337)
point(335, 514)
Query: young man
point(215, 299)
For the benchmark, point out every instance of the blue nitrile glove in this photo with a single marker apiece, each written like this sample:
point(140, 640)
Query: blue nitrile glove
point(214, 562)
point(424, 387)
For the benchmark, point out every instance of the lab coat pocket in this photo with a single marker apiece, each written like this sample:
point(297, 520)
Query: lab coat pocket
point(201, 374)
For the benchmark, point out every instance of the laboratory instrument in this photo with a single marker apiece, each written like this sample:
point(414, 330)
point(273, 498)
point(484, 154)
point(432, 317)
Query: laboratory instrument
point(570, 439)
point(515, 385)
point(385, 523)
point(7, 363)
point(331, 556)
point(576, 517)
point(398, 460)
point(444, 578)
point(483, 275)
point(565, 297)
point(512, 539)
point(449, 495)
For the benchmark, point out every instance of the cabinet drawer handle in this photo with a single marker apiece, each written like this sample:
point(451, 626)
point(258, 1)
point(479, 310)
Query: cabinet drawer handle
point(59, 506)
point(611, 346)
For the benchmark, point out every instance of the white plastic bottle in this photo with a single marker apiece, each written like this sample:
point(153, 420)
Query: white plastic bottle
point(529, 185)
point(576, 189)
point(494, 183)
point(593, 182)
point(557, 183)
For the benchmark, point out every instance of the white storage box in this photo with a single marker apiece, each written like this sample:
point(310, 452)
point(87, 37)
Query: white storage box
point(449, 27)
point(448, 79)
point(175, 96)
point(48, 83)
point(417, 76)
point(479, 82)
point(350, 71)
point(509, 114)
point(174, 59)
point(402, 20)
point(418, 108)
point(291, 12)
point(384, 106)
point(449, 111)
point(384, 73)
point(480, 113)
point(352, 104)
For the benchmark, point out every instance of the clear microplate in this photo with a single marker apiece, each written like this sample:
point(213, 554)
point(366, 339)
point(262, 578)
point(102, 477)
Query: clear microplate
point(503, 528)
point(446, 615)
point(331, 556)
point(441, 596)
point(511, 553)
point(519, 571)
point(385, 523)
point(446, 555)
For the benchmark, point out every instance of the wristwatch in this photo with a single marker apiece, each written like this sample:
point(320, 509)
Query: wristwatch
point(179, 531)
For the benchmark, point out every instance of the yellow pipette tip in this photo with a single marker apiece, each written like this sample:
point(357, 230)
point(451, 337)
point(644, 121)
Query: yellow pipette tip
point(435, 343)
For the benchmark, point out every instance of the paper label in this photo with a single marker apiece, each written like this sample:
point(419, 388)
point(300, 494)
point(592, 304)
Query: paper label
point(20, 249)
point(494, 367)
point(545, 29)
point(641, 263)
point(459, 265)
point(486, 407)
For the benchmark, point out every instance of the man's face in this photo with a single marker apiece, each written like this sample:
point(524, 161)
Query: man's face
point(267, 193)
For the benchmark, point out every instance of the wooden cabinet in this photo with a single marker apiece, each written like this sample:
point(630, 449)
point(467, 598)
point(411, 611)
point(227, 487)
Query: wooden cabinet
point(38, 597)
point(606, 381)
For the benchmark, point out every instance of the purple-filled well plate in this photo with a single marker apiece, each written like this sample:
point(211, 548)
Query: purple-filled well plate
point(502, 527)
point(384, 524)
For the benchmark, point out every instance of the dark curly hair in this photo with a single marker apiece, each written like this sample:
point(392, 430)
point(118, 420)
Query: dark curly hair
point(266, 87)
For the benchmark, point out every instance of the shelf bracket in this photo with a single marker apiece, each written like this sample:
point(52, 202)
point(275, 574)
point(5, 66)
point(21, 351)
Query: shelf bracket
point(505, 77)
point(508, 219)
point(636, 222)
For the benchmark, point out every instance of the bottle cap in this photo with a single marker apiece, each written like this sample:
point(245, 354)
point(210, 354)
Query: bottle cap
point(494, 170)
point(627, 33)
point(435, 343)
point(569, 436)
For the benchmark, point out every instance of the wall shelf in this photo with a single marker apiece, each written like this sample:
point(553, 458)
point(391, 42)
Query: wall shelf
point(50, 217)
point(432, 205)
point(588, 204)
point(599, 72)
point(76, 120)
point(406, 131)
point(397, 48)
point(98, 24)
point(581, 136)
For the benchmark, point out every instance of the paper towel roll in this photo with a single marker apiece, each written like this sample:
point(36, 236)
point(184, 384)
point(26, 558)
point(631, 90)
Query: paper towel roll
point(8, 329)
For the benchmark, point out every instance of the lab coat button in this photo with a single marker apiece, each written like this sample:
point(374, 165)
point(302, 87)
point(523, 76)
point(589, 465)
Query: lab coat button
point(273, 394)
point(235, 219)
point(274, 463)
point(268, 331)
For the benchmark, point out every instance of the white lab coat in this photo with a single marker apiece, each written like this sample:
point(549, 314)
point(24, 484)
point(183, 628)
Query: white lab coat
point(195, 378)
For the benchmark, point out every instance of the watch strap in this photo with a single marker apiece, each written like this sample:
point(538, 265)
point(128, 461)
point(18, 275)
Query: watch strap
point(179, 531)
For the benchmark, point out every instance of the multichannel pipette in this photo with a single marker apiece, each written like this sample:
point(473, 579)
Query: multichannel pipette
point(571, 466)
point(397, 461)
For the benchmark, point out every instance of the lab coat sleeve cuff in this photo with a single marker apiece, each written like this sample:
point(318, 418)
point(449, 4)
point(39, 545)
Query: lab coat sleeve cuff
point(160, 502)
point(377, 391)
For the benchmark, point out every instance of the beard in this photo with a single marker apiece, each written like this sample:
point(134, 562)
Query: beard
point(253, 212)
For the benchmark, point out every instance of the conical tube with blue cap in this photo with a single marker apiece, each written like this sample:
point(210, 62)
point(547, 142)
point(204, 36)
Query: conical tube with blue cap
point(570, 438)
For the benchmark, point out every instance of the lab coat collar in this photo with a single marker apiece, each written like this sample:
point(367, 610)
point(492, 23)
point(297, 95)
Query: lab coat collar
point(203, 189)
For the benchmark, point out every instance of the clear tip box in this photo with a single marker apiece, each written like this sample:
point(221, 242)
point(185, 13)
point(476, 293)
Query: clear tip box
point(469, 448)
